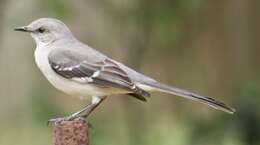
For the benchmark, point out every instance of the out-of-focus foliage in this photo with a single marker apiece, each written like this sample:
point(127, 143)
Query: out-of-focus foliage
point(211, 47)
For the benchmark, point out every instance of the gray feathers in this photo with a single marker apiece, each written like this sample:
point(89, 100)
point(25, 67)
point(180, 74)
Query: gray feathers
point(104, 73)
point(189, 95)
point(64, 60)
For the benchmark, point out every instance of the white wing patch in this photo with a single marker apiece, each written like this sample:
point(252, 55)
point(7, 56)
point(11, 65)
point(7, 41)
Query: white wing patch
point(95, 74)
point(68, 69)
point(84, 79)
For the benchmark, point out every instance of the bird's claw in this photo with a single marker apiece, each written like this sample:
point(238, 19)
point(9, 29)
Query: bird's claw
point(57, 120)
point(69, 118)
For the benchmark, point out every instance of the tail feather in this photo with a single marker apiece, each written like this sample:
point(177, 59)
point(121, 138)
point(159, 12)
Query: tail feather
point(186, 94)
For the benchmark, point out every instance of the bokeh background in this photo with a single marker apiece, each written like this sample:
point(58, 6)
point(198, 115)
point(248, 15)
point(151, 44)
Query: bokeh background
point(211, 47)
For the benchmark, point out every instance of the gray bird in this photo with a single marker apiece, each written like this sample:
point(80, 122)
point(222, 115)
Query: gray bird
point(79, 70)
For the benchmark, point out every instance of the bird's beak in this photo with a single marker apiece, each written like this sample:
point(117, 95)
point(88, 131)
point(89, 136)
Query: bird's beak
point(23, 29)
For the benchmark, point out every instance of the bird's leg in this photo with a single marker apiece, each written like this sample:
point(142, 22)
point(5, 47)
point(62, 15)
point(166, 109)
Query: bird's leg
point(84, 113)
point(96, 101)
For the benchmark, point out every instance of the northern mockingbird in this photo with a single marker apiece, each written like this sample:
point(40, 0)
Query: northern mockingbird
point(79, 70)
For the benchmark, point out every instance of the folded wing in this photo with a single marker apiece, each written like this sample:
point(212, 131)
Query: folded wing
point(104, 72)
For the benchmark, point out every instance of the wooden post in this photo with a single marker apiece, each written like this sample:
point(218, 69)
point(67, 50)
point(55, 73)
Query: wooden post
point(74, 132)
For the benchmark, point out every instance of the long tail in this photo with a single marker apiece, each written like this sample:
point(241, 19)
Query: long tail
point(186, 94)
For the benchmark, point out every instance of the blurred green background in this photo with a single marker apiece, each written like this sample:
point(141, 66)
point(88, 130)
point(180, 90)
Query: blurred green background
point(211, 47)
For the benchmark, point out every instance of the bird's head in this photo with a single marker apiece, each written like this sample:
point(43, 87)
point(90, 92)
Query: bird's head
point(46, 30)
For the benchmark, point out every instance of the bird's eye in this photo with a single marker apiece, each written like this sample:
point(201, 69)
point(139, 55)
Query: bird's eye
point(41, 30)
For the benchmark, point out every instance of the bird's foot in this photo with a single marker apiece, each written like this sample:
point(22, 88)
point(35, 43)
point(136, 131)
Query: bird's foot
point(82, 114)
point(69, 118)
point(57, 120)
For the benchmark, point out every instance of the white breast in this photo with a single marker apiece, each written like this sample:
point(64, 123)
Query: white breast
point(66, 85)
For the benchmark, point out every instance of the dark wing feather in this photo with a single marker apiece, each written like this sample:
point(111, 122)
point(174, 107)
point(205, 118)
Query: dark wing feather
point(105, 73)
